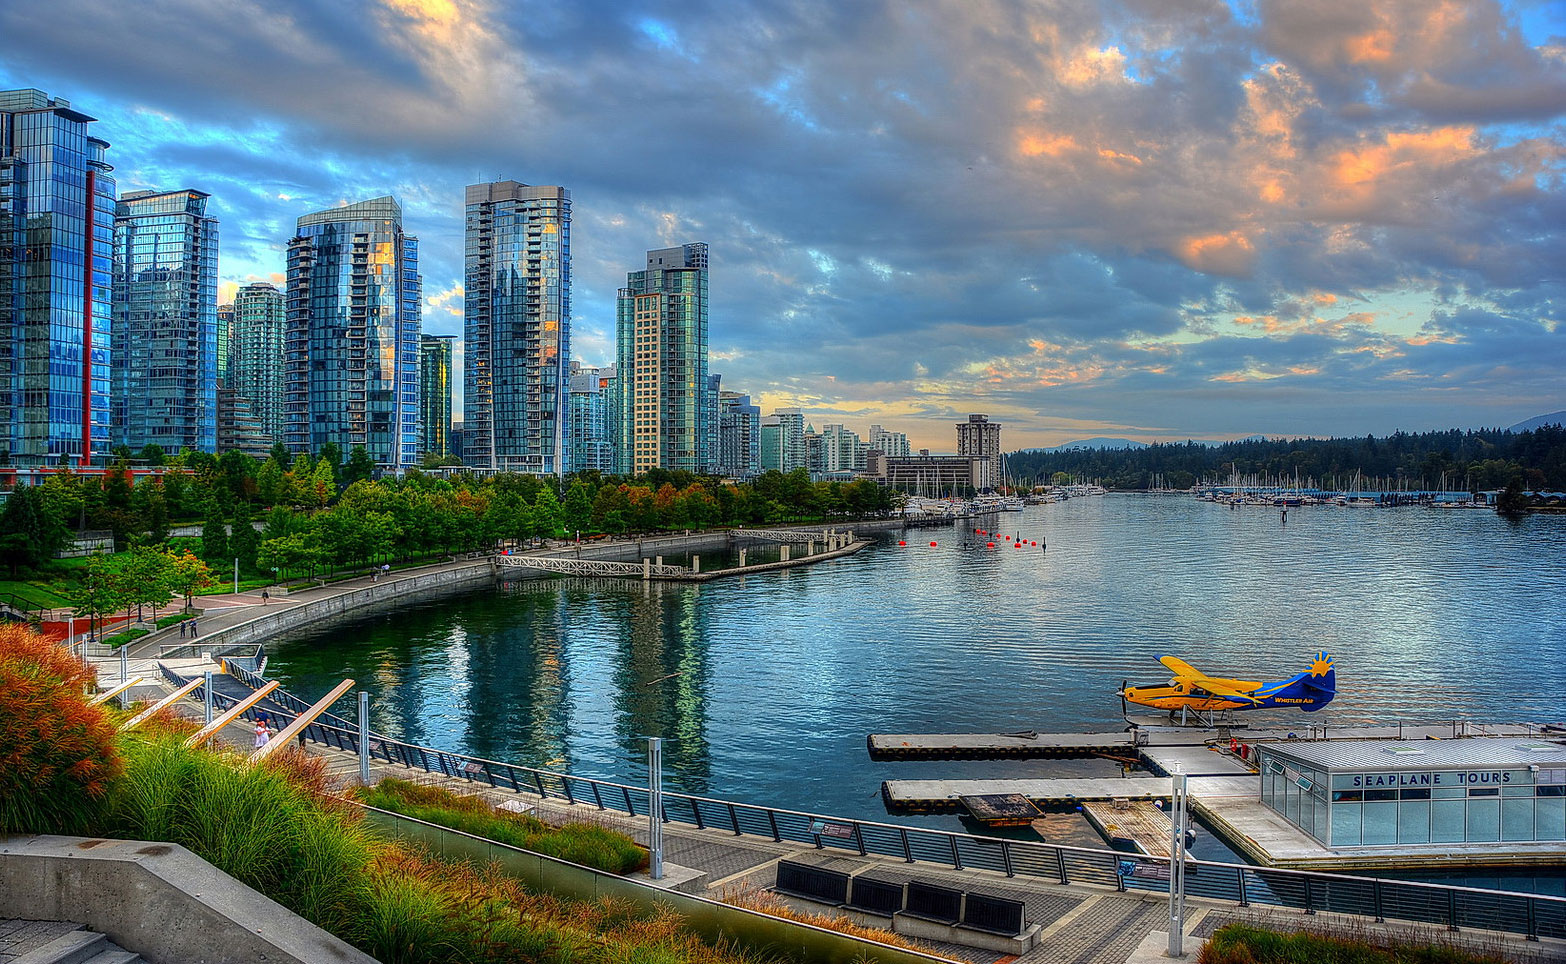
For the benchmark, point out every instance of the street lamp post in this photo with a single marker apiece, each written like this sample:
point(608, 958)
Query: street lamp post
point(655, 806)
point(1177, 816)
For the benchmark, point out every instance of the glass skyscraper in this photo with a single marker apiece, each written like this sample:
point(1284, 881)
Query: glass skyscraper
point(256, 354)
point(666, 398)
point(165, 338)
point(517, 321)
point(435, 393)
point(590, 445)
point(351, 341)
point(739, 436)
point(56, 274)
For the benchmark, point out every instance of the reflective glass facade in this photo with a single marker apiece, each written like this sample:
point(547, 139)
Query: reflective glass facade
point(517, 327)
point(739, 436)
point(256, 354)
point(1422, 794)
point(56, 275)
point(667, 401)
point(435, 393)
point(590, 446)
point(165, 340)
point(351, 340)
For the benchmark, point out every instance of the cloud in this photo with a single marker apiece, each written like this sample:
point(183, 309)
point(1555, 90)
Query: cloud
point(903, 201)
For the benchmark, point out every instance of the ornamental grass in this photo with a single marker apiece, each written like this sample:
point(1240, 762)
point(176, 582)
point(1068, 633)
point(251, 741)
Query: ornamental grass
point(57, 754)
point(580, 843)
point(1248, 944)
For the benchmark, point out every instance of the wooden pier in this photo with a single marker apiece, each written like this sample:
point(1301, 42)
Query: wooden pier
point(1136, 822)
point(945, 796)
point(1025, 745)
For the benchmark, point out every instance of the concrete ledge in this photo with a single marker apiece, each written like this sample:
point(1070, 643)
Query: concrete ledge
point(681, 880)
point(911, 926)
point(159, 900)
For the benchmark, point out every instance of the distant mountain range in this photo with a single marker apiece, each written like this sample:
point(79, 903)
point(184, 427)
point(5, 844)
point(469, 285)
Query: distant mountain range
point(1539, 421)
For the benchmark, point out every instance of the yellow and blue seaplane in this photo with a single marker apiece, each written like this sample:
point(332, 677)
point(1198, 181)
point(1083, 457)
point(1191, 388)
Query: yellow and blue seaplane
point(1192, 691)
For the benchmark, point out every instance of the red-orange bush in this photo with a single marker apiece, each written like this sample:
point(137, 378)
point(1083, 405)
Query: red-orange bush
point(57, 754)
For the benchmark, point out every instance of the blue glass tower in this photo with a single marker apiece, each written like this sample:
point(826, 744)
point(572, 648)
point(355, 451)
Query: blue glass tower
point(351, 343)
point(165, 340)
point(517, 328)
point(255, 371)
point(56, 274)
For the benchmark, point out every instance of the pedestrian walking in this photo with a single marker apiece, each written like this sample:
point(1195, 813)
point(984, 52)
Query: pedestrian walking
point(192, 629)
point(262, 734)
point(265, 596)
point(181, 629)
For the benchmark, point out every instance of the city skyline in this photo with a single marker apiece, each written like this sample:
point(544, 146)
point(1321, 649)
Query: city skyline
point(1212, 222)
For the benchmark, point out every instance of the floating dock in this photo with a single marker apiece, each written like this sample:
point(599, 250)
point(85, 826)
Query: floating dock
point(1136, 822)
point(1026, 745)
point(945, 796)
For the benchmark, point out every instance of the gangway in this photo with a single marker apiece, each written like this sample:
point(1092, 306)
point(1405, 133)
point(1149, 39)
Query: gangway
point(590, 567)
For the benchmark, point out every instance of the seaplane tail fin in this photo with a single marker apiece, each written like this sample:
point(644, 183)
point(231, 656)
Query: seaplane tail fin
point(1322, 681)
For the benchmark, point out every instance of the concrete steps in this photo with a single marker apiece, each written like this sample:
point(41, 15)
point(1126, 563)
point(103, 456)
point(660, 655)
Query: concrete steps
point(78, 947)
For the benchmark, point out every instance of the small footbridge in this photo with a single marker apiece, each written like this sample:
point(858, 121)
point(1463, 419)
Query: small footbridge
point(831, 538)
point(592, 567)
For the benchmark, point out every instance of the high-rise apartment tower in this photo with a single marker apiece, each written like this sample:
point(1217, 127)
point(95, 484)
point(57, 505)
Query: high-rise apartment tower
point(517, 322)
point(667, 400)
point(435, 393)
point(56, 275)
point(165, 335)
point(351, 344)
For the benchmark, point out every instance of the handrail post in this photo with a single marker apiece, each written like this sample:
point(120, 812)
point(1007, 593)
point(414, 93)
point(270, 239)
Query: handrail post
point(734, 819)
point(1309, 909)
point(907, 850)
point(1060, 865)
point(1245, 899)
point(772, 818)
point(1451, 910)
point(630, 808)
point(1375, 893)
point(597, 797)
point(1006, 859)
point(859, 838)
point(951, 838)
point(1533, 920)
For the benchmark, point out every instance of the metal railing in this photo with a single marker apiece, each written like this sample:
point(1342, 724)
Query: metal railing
point(1531, 915)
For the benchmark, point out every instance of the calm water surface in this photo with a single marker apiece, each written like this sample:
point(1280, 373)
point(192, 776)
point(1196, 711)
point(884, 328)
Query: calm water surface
point(766, 687)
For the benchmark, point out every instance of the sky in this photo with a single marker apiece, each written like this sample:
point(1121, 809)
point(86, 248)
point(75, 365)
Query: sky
point(1153, 219)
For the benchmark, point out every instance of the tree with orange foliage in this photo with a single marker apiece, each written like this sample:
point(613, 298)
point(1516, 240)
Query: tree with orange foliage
point(57, 753)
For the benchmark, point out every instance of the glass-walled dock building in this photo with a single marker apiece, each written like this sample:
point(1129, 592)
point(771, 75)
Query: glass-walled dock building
point(1369, 793)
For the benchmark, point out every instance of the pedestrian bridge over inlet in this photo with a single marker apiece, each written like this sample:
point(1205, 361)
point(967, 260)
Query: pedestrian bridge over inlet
point(593, 567)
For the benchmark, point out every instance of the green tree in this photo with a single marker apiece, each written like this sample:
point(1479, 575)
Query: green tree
point(332, 455)
point(546, 513)
point(577, 510)
point(214, 537)
point(245, 541)
point(279, 455)
point(152, 454)
point(187, 574)
point(360, 466)
point(1513, 499)
point(324, 483)
point(151, 509)
point(270, 485)
point(102, 591)
point(30, 531)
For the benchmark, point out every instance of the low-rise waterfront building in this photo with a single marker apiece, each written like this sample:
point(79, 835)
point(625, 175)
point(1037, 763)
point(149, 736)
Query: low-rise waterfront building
point(1369, 793)
point(932, 475)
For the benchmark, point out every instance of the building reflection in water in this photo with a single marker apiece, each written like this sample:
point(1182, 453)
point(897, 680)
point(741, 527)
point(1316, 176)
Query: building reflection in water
point(661, 681)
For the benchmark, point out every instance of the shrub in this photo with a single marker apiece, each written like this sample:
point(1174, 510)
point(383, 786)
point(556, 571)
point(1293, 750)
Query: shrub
point(580, 843)
point(1245, 944)
point(57, 754)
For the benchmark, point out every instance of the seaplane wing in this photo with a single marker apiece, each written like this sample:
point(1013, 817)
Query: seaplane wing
point(1180, 667)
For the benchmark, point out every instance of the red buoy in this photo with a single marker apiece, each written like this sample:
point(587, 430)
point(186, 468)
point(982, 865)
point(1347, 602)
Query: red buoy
point(990, 544)
point(902, 542)
point(932, 545)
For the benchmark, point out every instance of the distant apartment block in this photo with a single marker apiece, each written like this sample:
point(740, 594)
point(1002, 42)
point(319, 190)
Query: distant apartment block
point(165, 333)
point(981, 437)
point(56, 275)
point(351, 345)
point(255, 366)
point(435, 394)
point(666, 397)
point(517, 327)
point(783, 445)
point(888, 443)
point(590, 446)
point(739, 436)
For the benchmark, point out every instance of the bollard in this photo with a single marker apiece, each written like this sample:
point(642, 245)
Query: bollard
point(646, 568)
point(742, 559)
point(810, 547)
point(695, 563)
point(660, 560)
point(783, 553)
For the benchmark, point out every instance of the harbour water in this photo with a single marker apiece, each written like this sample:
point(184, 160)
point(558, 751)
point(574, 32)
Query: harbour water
point(765, 687)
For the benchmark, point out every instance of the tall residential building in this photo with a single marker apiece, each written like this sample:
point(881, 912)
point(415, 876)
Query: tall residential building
point(56, 275)
point(351, 342)
point(255, 371)
point(739, 436)
point(783, 445)
point(435, 393)
point(661, 334)
point(517, 322)
point(980, 436)
point(894, 444)
point(590, 446)
point(841, 450)
point(225, 342)
point(164, 339)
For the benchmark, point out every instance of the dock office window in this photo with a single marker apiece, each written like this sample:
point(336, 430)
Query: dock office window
point(1525, 806)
